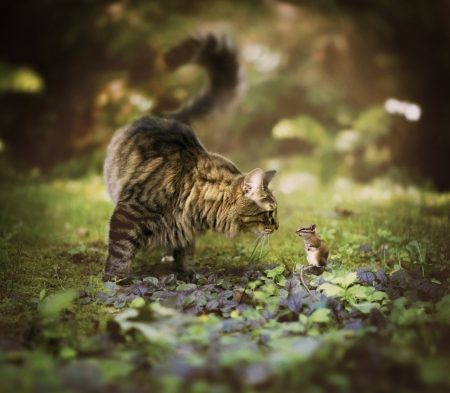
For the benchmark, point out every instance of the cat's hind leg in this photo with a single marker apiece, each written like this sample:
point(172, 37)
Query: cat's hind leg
point(127, 231)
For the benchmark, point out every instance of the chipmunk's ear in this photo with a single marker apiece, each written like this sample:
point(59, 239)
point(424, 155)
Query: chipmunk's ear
point(268, 176)
point(252, 182)
point(313, 227)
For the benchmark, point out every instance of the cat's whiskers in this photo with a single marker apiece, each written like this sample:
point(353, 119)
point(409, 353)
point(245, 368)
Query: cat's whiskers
point(257, 239)
point(262, 245)
point(256, 242)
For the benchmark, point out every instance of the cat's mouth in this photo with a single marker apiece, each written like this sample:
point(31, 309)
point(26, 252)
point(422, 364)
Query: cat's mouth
point(265, 231)
point(261, 228)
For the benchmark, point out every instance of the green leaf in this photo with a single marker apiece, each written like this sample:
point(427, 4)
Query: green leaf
point(67, 353)
point(282, 293)
point(338, 280)
point(189, 300)
point(57, 302)
point(155, 331)
point(110, 285)
point(293, 327)
point(414, 244)
point(120, 303)
point(365, 307)
point(313, 332)
point(274, 272)
point(350, 279)
point(201, 278)
point(280, 279)
point(254, 284)
point(186, 287)
point(360, 292)
point(303, 319)
point(322, 315)
point(331, 290)
point(251, 314)
point(151, 279)
point(378, 295)
point(137, 302)
point(261, 296)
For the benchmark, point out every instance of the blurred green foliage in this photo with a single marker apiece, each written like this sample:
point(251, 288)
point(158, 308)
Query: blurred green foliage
point(322, 67)
point(373, 123)
point(19, 79)
point(303, 127)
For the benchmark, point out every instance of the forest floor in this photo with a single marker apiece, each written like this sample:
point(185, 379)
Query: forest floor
point(377, 321)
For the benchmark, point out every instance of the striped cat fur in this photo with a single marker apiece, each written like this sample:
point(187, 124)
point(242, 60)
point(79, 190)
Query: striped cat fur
point(167, 188)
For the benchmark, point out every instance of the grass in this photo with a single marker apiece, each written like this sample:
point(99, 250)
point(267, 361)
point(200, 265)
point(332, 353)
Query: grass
point(43, 226)
point(53, 239)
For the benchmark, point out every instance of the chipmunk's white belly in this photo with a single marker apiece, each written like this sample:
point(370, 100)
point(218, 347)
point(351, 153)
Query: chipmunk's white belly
point(313, 257)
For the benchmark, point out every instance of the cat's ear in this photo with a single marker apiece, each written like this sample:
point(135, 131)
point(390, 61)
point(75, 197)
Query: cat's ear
point(268, 176)
point(252, 182)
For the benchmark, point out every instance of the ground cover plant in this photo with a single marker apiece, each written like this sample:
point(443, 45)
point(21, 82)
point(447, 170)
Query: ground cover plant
point(377, 320)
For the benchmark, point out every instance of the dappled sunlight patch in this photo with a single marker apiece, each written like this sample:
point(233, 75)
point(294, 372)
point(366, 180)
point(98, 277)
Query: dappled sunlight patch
point(262, 57)
point(303, 127)
point(347, 141)
point(20, 79)
point(343, 184)
point(144, 104)
point(412, 112)
point(92, 188)
point(382, 190)
point(300, 181)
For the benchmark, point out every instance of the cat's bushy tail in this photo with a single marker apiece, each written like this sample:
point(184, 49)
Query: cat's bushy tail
point(217, 55)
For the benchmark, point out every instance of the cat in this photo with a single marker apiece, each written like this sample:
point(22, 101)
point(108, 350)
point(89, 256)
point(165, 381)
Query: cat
point(167, 188)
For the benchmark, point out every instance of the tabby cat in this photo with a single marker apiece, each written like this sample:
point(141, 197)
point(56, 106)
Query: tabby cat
point(167, 188)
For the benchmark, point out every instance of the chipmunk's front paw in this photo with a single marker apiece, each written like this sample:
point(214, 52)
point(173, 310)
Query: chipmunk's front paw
point(116, 279)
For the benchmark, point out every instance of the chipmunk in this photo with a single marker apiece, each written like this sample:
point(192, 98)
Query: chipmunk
point(316, 250)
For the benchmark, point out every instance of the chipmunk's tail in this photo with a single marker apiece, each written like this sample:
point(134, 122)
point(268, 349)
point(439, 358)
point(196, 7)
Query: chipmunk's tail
point(226, 78)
